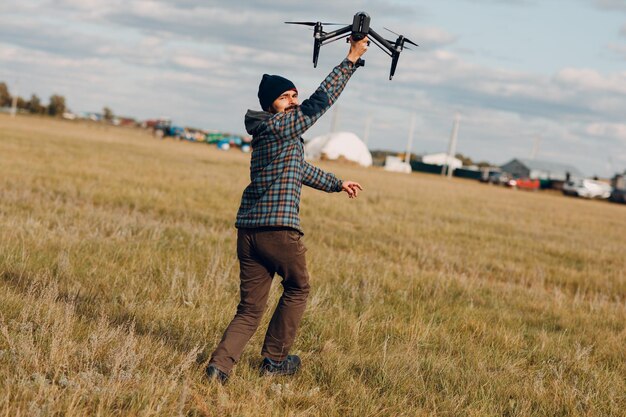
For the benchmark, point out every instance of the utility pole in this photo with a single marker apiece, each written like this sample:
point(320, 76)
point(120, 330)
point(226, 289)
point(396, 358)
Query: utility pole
point(409, 143)
point(366, 133)
point(536, 143)
point(335, 119)
point(14, 99)
point(451, 147)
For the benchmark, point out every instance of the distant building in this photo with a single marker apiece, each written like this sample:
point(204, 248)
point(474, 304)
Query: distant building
point(395, 164)
point(442, 159)
point(543, 170)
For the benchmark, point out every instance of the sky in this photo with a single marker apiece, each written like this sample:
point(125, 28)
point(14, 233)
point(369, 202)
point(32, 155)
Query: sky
point(520, 73)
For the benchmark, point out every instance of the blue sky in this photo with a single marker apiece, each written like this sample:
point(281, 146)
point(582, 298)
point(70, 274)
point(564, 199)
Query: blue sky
point(515, 70)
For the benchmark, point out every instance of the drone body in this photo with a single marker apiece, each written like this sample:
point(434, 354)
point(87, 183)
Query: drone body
point(359, 29)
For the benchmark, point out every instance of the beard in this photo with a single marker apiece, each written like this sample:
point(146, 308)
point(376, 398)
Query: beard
point(291, 108)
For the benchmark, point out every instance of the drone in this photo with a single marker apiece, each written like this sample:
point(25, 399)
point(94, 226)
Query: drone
point(359, 29)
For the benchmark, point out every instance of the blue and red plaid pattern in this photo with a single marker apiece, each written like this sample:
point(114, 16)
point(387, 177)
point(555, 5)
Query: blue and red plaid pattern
point(277, 166)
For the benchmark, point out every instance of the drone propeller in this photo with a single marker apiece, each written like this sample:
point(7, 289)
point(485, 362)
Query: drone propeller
point(407, 40)
point(313, 23)
point(389, 30)
point(403, 47)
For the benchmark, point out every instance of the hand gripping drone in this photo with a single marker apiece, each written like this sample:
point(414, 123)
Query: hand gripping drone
point(359, 29)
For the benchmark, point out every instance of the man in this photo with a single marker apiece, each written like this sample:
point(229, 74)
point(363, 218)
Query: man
point(269, 232)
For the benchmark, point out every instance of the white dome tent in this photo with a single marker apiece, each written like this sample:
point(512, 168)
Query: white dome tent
point(336, 145)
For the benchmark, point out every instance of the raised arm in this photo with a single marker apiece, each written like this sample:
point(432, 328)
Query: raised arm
point(292, 124)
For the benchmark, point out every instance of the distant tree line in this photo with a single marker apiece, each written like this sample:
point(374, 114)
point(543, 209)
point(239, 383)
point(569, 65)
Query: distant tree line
point(56, 106)
point(467, 161)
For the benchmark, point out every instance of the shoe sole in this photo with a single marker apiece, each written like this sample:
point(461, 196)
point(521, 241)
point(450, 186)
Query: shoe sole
point(266, 372)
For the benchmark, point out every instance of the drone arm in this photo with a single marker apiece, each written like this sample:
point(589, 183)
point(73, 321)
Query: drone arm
point(335, 34)
point(335, 39)
point(382, 41)
point(381, 47)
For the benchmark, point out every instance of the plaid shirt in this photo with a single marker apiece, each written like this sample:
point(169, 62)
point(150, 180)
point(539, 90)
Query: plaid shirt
point(277, 166)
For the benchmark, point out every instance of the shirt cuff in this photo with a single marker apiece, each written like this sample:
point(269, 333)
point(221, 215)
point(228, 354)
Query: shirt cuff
point(339, 186)
point(346, 63)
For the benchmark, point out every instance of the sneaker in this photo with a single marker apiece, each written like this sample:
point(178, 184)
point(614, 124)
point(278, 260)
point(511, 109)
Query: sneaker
point(287, 367)
point(214, 374)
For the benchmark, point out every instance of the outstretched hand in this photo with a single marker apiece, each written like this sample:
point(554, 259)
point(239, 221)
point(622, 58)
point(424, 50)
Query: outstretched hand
point(352, 188)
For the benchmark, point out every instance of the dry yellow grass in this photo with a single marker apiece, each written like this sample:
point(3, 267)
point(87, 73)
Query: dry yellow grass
point(118, 275)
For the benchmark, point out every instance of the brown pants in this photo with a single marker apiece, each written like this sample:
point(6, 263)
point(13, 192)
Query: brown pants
point(262, 252)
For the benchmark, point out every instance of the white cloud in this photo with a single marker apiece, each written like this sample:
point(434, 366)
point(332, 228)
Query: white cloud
point(613, 130)
point(619, 5)
point(592, 81)
point(619, 49)
point(426, 37)
point(52, 61)
point(194, 62)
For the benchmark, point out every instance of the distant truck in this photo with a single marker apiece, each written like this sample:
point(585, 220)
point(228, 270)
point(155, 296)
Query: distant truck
point(619, 188)
point(618, 196)
point(587, 188)
point(527, 184)
point(164, 128)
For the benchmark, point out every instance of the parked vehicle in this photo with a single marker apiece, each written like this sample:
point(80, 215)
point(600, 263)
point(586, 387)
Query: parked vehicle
point(214, 137)
point(501, 178)
point(223, 144)
point(527, 184)
point(164, 128)
point(487, 174)
point(587, 188)
point(618, 196)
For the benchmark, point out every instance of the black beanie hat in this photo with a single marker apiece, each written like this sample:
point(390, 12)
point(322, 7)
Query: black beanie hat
point(271, 87)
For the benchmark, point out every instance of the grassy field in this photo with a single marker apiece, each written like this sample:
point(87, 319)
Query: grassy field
point(430, 297)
